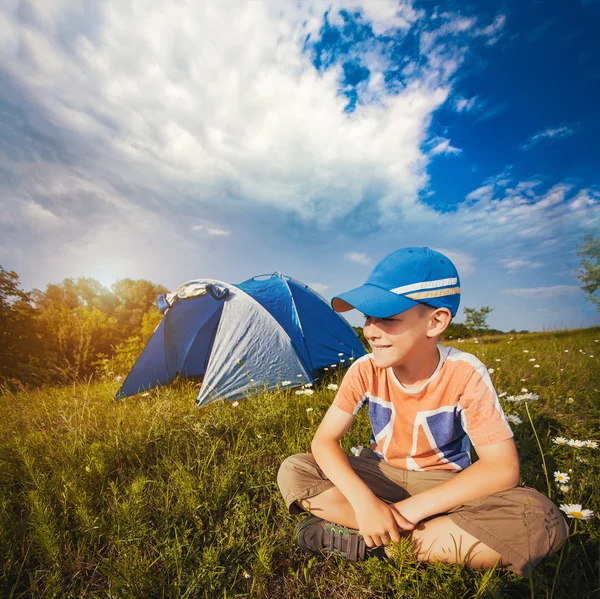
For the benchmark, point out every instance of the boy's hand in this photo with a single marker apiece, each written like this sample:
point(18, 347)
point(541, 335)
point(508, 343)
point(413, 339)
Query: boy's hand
point(379, 522)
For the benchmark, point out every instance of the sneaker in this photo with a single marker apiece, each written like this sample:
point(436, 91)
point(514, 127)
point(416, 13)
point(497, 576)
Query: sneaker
point(319, 536)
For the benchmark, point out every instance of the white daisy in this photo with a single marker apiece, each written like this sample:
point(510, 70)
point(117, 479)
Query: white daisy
point(527, 397)
point(503, 394)
point(566, 351)
point(491, 370)
point(513, 418)
point(332, 386)
point(340, 354)
point(308, 410)
point(576, 443)
point(560, 441)
point(285, 383)
point(532, 359)
point(145, 394)
point(564, 488)
point(308, 385)
point(574, 510)
point(498, 360)
point(525, 351)
point(235, 404)
point(591, 444)
point(561, 477)
point(570, 400)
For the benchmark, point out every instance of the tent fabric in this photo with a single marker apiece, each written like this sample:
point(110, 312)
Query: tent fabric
point(318, 333)
point(257, 335)
point(251, 351)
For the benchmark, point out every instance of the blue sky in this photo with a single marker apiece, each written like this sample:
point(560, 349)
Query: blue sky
point(226, 140)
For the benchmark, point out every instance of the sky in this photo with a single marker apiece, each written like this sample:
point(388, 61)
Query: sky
point(180, 140)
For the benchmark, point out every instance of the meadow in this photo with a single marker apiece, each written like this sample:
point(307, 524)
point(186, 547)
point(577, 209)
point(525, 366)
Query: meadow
point(153, 497)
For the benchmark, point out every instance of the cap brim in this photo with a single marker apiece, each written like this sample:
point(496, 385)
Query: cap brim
point(372, 301)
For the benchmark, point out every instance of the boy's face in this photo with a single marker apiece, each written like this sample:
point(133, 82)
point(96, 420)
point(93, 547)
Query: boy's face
point(398, 339)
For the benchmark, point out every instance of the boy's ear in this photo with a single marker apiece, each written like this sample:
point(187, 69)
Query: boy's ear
point(439, 321)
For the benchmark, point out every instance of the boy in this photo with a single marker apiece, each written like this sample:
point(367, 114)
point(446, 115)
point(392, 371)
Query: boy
point(425, 403)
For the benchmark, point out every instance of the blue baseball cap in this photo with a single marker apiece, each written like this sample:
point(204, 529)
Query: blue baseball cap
point(403, 279)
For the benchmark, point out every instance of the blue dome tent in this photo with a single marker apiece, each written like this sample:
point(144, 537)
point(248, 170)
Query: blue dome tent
point(240, 338)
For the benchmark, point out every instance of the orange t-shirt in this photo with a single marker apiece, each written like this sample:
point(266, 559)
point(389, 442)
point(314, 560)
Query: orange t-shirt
point(427, 428)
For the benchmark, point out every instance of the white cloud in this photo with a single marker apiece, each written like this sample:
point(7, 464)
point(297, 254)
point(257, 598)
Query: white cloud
point(493, 31)
point(545, 292)
point(212, 230)
point(318, 287)
point(549, 133)
point(442, 146)
point(462, 104)
point(516, 264)
point(359, 258)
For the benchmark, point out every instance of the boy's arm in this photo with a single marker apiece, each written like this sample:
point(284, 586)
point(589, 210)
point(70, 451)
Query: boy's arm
point(377, 521)
point(496, 470)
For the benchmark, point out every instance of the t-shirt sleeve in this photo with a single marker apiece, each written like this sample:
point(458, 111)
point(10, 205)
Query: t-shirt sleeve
point(482, 413)
point(353, 391)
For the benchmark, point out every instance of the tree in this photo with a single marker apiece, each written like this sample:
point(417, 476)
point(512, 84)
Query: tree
point(16, 331)
point(589, 251)
point(475, 320)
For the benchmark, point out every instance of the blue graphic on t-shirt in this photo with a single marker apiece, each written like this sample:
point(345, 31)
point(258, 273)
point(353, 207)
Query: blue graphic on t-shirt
point(449, 436)
point(380, 416)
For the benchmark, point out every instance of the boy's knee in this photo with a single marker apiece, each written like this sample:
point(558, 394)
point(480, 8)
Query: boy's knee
point(293, 468)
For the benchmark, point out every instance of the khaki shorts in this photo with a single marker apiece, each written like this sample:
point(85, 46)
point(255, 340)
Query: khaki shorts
point(521, 524)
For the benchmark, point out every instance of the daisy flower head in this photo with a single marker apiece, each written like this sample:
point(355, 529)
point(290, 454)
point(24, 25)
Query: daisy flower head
point(332, 387)
point(525, 351)
point(536, 366)
point(490, 370)
point(564, 488)
point(570, 400)
point(561, 477)
point(285, 383)
point(591, 444)
point(309, 410)
point(560, 441)
point(502, 394)
point(574, 510)
point(513, 418)
point(524, 390)
point(527, 397)
point(340, 354)
point(308, 385)
point(532, 359)
point(576, 443)
point(235, 404)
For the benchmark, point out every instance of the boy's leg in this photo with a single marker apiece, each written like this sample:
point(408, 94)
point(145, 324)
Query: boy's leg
point(438, 539)
point(521, 524)
point(302, 483)
point(516, 528)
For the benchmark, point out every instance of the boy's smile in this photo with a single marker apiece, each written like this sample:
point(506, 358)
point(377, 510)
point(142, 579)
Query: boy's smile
point(400, 340)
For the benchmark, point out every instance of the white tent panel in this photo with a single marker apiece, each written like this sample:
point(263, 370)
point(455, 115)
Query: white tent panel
point(251, 351)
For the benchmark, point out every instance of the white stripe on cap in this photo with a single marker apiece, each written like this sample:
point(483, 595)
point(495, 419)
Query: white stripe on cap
point(421, 295)
point(424, 285)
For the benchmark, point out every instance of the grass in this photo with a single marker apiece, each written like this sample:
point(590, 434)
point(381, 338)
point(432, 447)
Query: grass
point(152, 497)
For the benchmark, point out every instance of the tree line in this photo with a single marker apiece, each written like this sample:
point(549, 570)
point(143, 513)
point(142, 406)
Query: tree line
point(71, 329)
